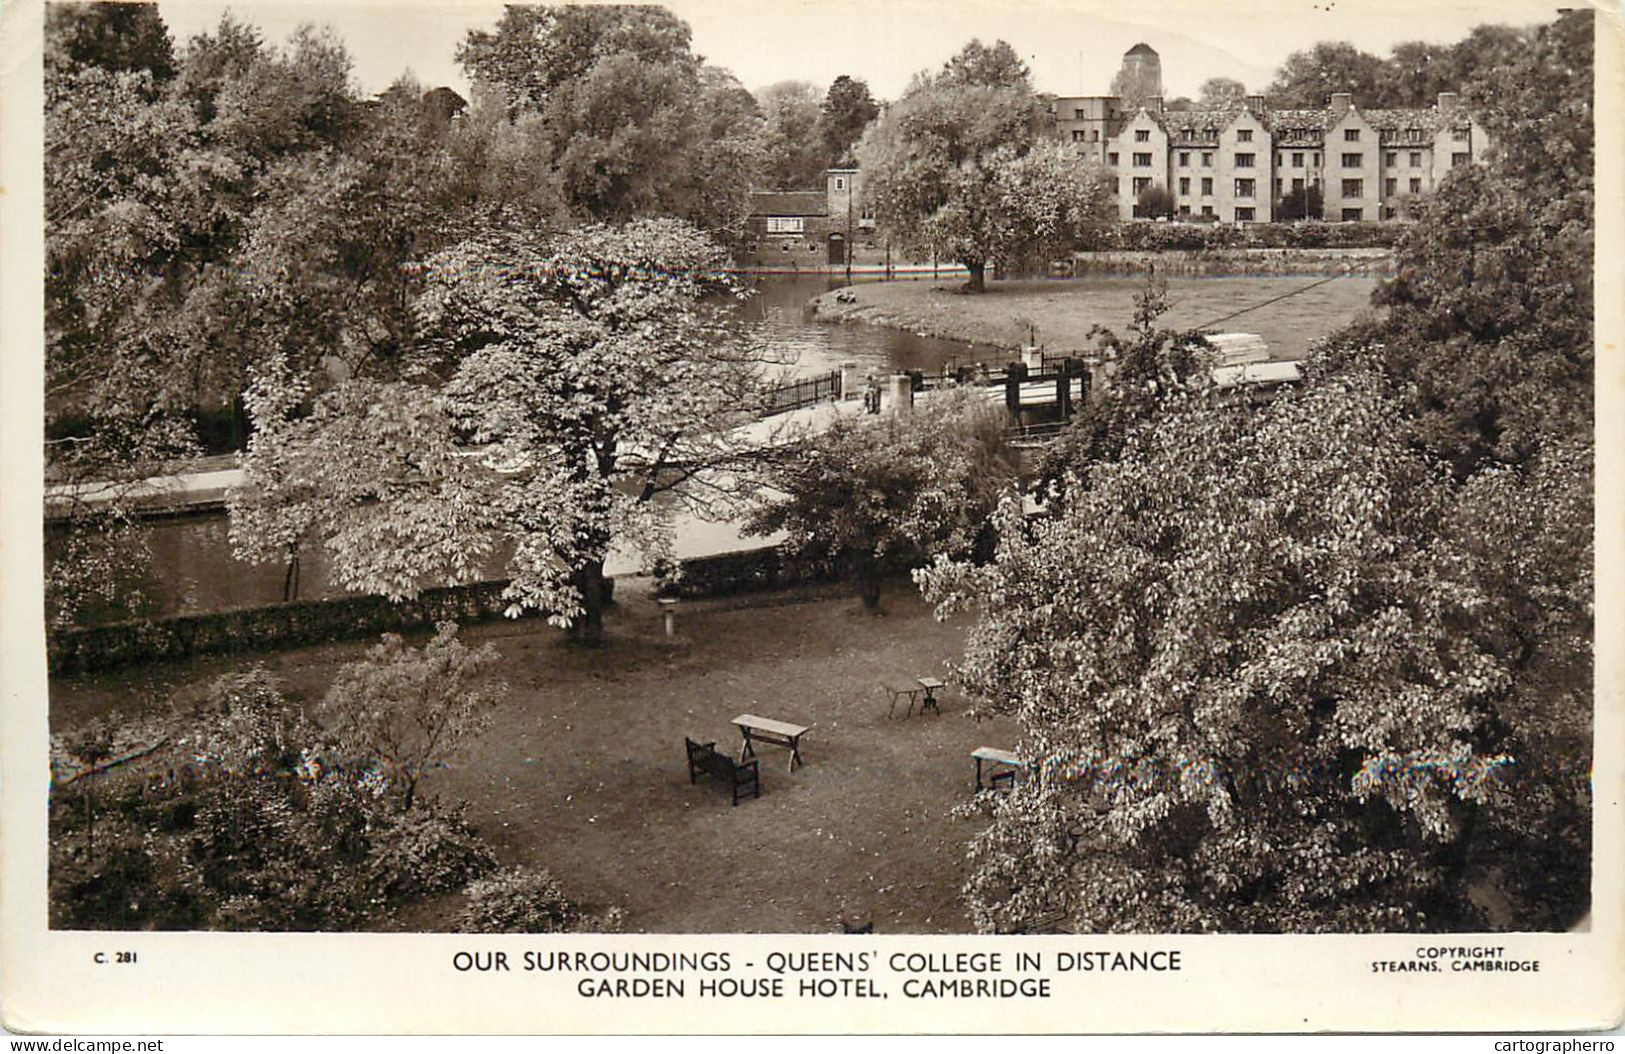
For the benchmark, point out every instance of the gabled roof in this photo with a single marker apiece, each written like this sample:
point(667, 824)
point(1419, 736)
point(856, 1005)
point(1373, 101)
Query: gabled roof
point(1430, 120)
point(1142, 49)
point(1198, 121)
point(789, 203)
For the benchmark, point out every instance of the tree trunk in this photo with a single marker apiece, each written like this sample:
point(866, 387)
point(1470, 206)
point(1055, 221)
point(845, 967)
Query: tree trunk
point(588, 630)
point(977, 273)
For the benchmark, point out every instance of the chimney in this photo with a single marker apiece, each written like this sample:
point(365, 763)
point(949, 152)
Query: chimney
point(1255, 103)
point(1447, 100)
point(1341, 101)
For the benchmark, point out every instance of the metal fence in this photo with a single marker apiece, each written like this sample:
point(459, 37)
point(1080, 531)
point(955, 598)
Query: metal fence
point(801, 393)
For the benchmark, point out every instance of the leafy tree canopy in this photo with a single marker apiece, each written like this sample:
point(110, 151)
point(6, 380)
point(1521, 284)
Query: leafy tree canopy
point(963, 169)
point(586, 373)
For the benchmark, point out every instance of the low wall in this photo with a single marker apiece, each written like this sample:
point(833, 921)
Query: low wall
point(78, 649)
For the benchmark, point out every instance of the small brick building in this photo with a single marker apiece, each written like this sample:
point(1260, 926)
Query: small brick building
point(811, 229)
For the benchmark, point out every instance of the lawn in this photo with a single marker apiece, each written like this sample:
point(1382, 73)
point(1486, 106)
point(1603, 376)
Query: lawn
point(583, 770)
point(1064, 310)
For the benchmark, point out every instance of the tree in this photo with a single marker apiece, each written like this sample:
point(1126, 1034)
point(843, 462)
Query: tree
point(1491, 305)
point(963, 171)
point(1308, 79)
point(408, 709)
point(1300, 203)
point(874, 495)
point(1245, 661)
point(633, 122)
point(113, 36)
point(151, 174)
point(1221, 93)
point(1154, 201)
point(794, 154)
point(847, 110)
point(979, 66)
point(590, 373)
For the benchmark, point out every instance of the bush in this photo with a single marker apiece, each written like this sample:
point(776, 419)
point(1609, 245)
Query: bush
point(249, 820)
point(527, 900)
point(1210, 237)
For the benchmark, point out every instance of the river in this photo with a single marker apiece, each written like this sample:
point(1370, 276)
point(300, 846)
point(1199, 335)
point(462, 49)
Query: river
point(192, 569)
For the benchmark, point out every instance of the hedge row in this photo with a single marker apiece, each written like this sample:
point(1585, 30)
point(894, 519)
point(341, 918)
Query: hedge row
point(1309, 234)
point(301, 622)
point(725, 574)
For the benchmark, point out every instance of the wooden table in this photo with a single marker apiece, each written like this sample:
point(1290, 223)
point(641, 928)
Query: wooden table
point(923, 688)
point(766, 730)
point(1005, 763)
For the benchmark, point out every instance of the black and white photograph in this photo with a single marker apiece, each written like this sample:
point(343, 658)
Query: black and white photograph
point(854, 470)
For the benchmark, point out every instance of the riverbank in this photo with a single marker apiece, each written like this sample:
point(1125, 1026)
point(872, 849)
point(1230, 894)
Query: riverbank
point(1289, 312)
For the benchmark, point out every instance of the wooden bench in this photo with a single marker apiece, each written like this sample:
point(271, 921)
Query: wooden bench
point(923, 688)
point(766, 730)
point(739, 776)
point(1004, 766)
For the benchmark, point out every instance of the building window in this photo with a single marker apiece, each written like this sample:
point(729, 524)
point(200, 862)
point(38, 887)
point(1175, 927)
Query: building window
point(1457, 160)
point(1244, 188)
point(1244, 160)
point(1351, 135)
point(1353, 215)
point(1184, 184)
point(1184, 210)
point(1354, 188)
point(1297, 184)
point(1390, 187)
point(1416, 185)
point(1391, 159)
point(1111, 158)
point(1207, 186)
point(784, 224)
point(1353, 160)
point(1244, 214)
point(1210, 133)
point(1094, 135)
point(1142, 160)
point(840, 183)
point(1187, 133)
point(1185, 158)
point(1297, 160)
point(1317, 158)
point(1142, 135)
point(1078, 114)
point(1244, 135)
point(1141, 184)
point(1207, 159)
point(1280, 186)
point(1413, 135)
point(1459, 134)
point(1077, 135)
point(1207, 210)
point(1416, 159)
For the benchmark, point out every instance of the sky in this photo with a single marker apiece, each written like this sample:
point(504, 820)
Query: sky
point(1073, 47)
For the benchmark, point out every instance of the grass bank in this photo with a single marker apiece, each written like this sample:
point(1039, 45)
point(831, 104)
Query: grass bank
point(1289, 312)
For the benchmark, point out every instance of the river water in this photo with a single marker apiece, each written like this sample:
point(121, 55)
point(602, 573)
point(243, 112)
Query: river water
point(192, 569)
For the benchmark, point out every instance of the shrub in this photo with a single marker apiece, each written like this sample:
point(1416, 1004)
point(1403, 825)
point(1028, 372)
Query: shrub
point(527, 900)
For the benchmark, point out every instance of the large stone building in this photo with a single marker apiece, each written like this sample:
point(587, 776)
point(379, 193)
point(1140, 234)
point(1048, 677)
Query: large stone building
point(1236, 165)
